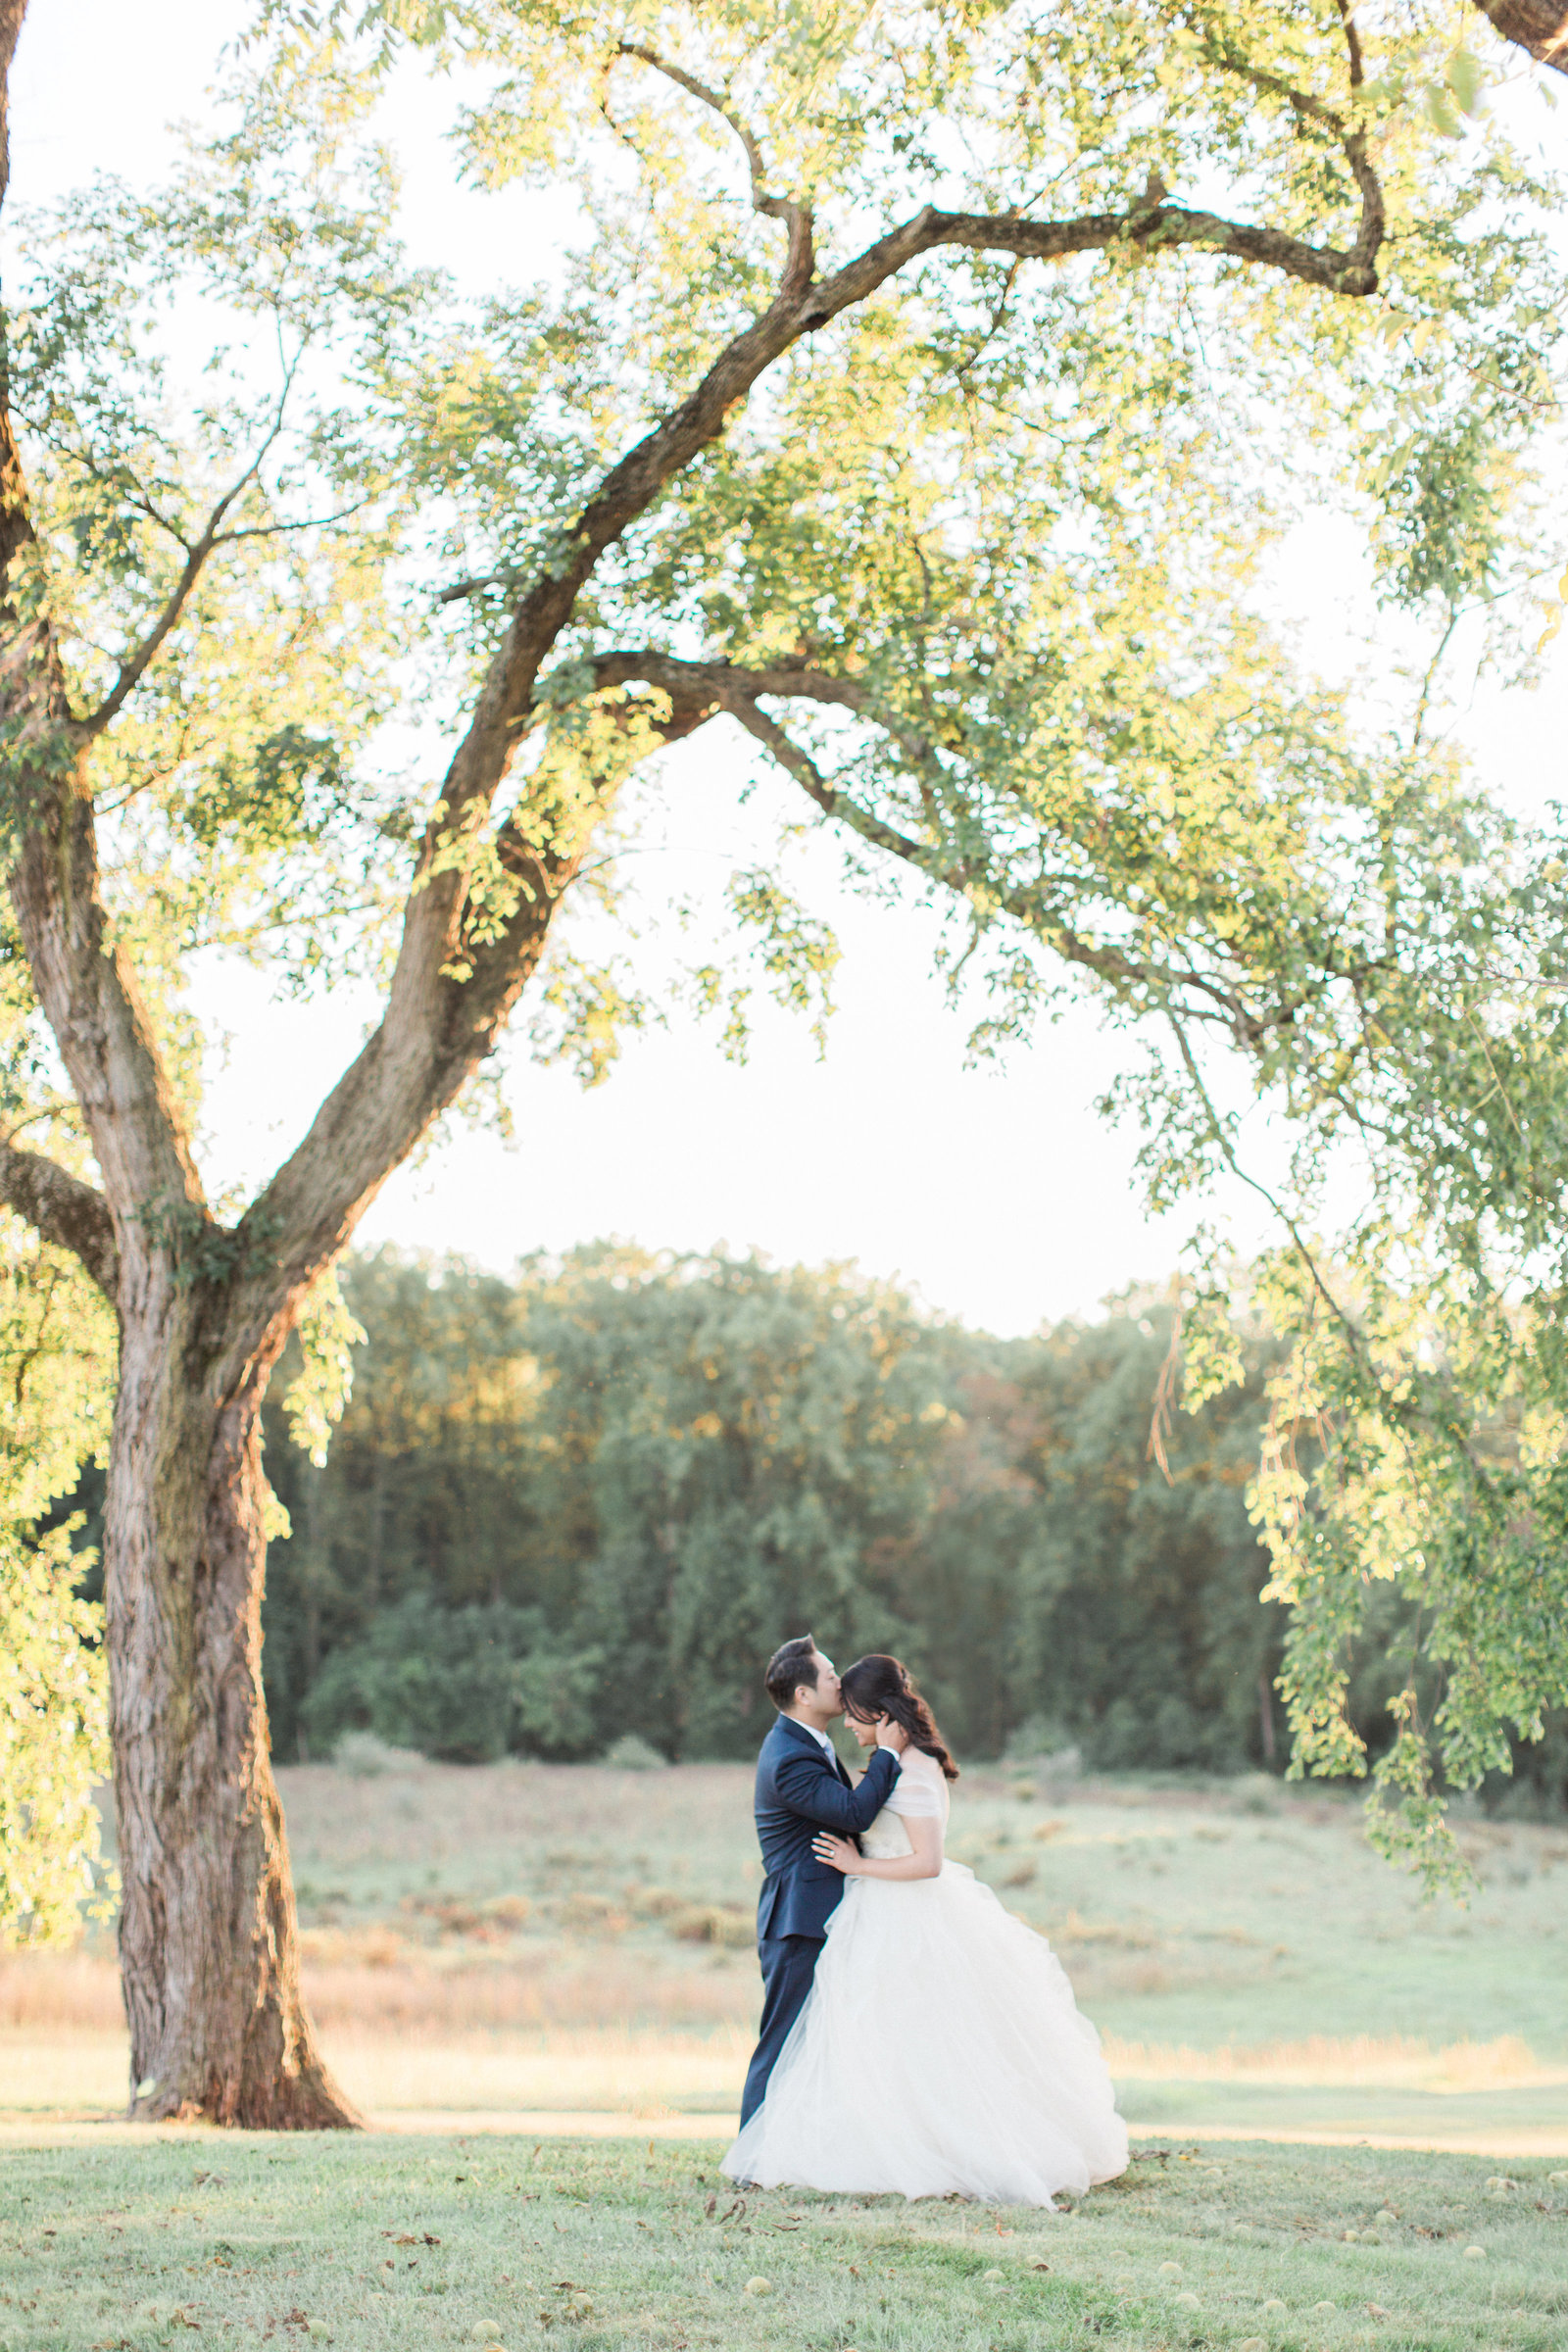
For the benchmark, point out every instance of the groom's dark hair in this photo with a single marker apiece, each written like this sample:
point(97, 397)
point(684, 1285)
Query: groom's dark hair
point(789, 1667)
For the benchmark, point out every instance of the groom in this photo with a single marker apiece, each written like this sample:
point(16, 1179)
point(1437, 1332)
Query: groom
point(802, 1788)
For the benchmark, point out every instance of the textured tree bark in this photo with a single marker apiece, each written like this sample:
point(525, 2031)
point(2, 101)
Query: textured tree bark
point(1539, 26)
point(207, 1937)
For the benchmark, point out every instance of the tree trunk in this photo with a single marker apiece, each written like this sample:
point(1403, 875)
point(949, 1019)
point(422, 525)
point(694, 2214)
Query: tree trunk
point(209, 1936)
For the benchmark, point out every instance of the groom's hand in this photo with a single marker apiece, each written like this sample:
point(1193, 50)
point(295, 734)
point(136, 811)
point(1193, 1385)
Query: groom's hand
point(891, 1734)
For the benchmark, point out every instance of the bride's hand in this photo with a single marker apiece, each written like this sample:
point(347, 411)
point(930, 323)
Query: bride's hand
point(838, 1853)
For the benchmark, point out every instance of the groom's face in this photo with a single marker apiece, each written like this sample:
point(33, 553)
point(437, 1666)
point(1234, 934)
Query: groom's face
point(827, 1700)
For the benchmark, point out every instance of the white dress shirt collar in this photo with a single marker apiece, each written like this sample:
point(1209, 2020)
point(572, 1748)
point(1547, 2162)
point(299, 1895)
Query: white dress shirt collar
point(821, 1739)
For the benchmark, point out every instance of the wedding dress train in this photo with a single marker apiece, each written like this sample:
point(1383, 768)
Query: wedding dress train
point(940, 2049)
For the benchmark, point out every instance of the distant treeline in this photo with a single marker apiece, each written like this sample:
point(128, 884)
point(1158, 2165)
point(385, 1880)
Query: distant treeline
point(590, 1500)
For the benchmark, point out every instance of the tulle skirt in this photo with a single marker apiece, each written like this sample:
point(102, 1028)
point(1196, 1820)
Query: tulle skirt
point(940, 2050)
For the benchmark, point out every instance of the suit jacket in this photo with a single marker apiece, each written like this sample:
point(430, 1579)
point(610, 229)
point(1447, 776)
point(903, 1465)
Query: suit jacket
point(800, 1793)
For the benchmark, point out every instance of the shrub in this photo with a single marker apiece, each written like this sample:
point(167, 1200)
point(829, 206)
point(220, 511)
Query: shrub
point(367, 1757)
point(466, 1685)
point(706, 1922)
point(657, 1902)
point(632, 1753)
point(592, 1915)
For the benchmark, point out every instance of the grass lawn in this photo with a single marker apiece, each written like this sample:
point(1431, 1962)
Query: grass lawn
point(410, 2244)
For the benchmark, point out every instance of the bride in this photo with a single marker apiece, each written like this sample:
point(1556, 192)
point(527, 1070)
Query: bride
point(940, 2049)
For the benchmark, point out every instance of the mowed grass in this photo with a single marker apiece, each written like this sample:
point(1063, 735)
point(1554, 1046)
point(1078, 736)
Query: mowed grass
point(527, 1938)
point(412, 2245)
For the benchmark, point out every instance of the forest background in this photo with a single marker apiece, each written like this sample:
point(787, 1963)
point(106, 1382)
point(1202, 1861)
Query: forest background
point(584, 1504)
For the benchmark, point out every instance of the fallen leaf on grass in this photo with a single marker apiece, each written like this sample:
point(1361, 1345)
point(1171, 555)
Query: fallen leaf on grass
point(758, 2286)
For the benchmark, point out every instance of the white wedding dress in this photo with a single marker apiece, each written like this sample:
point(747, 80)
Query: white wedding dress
point(940, 2049)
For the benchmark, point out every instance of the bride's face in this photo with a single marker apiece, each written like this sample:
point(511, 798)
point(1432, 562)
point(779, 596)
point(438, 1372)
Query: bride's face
point(864, 1732)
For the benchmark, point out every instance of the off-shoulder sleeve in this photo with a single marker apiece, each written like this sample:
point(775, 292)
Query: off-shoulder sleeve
point(917, 1792)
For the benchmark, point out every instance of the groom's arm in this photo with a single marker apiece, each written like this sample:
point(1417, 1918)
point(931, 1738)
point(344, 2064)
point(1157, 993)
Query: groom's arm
point(810, 1786)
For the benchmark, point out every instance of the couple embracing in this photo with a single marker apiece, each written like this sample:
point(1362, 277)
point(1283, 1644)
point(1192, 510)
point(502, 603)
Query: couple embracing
point(916, 2039)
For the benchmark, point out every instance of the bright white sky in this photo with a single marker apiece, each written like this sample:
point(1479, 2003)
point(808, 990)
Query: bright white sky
point(997, 1192)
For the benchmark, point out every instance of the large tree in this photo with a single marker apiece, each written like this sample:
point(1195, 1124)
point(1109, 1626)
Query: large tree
point(886, 401)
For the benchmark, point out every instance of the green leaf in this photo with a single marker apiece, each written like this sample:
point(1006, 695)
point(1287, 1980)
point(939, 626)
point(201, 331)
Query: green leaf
point(1438, 107)
point(1467, 77)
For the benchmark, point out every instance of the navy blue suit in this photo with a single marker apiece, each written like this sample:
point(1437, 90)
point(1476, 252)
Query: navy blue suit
point(800, 1792)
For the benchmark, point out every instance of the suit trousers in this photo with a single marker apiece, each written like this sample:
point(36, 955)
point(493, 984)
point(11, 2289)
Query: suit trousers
point(788, 1963)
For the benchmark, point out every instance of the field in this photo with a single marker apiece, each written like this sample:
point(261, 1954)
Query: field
point(531, 1939)
point(542, 1980)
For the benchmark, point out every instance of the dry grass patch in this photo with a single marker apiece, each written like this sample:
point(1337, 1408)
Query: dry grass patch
point(45, 1992)
point(1394, 2061)
point(629, 2074)
point(371, 1980)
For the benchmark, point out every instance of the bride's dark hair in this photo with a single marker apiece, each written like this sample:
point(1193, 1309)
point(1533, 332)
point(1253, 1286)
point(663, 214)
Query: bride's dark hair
point(880, 1685)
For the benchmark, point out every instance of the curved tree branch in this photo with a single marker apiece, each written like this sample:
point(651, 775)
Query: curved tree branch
point(800, 264)
point(1539, 26)
point(701, 690)
point(133, 668)
point(464, 957)
point(71, 1214)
